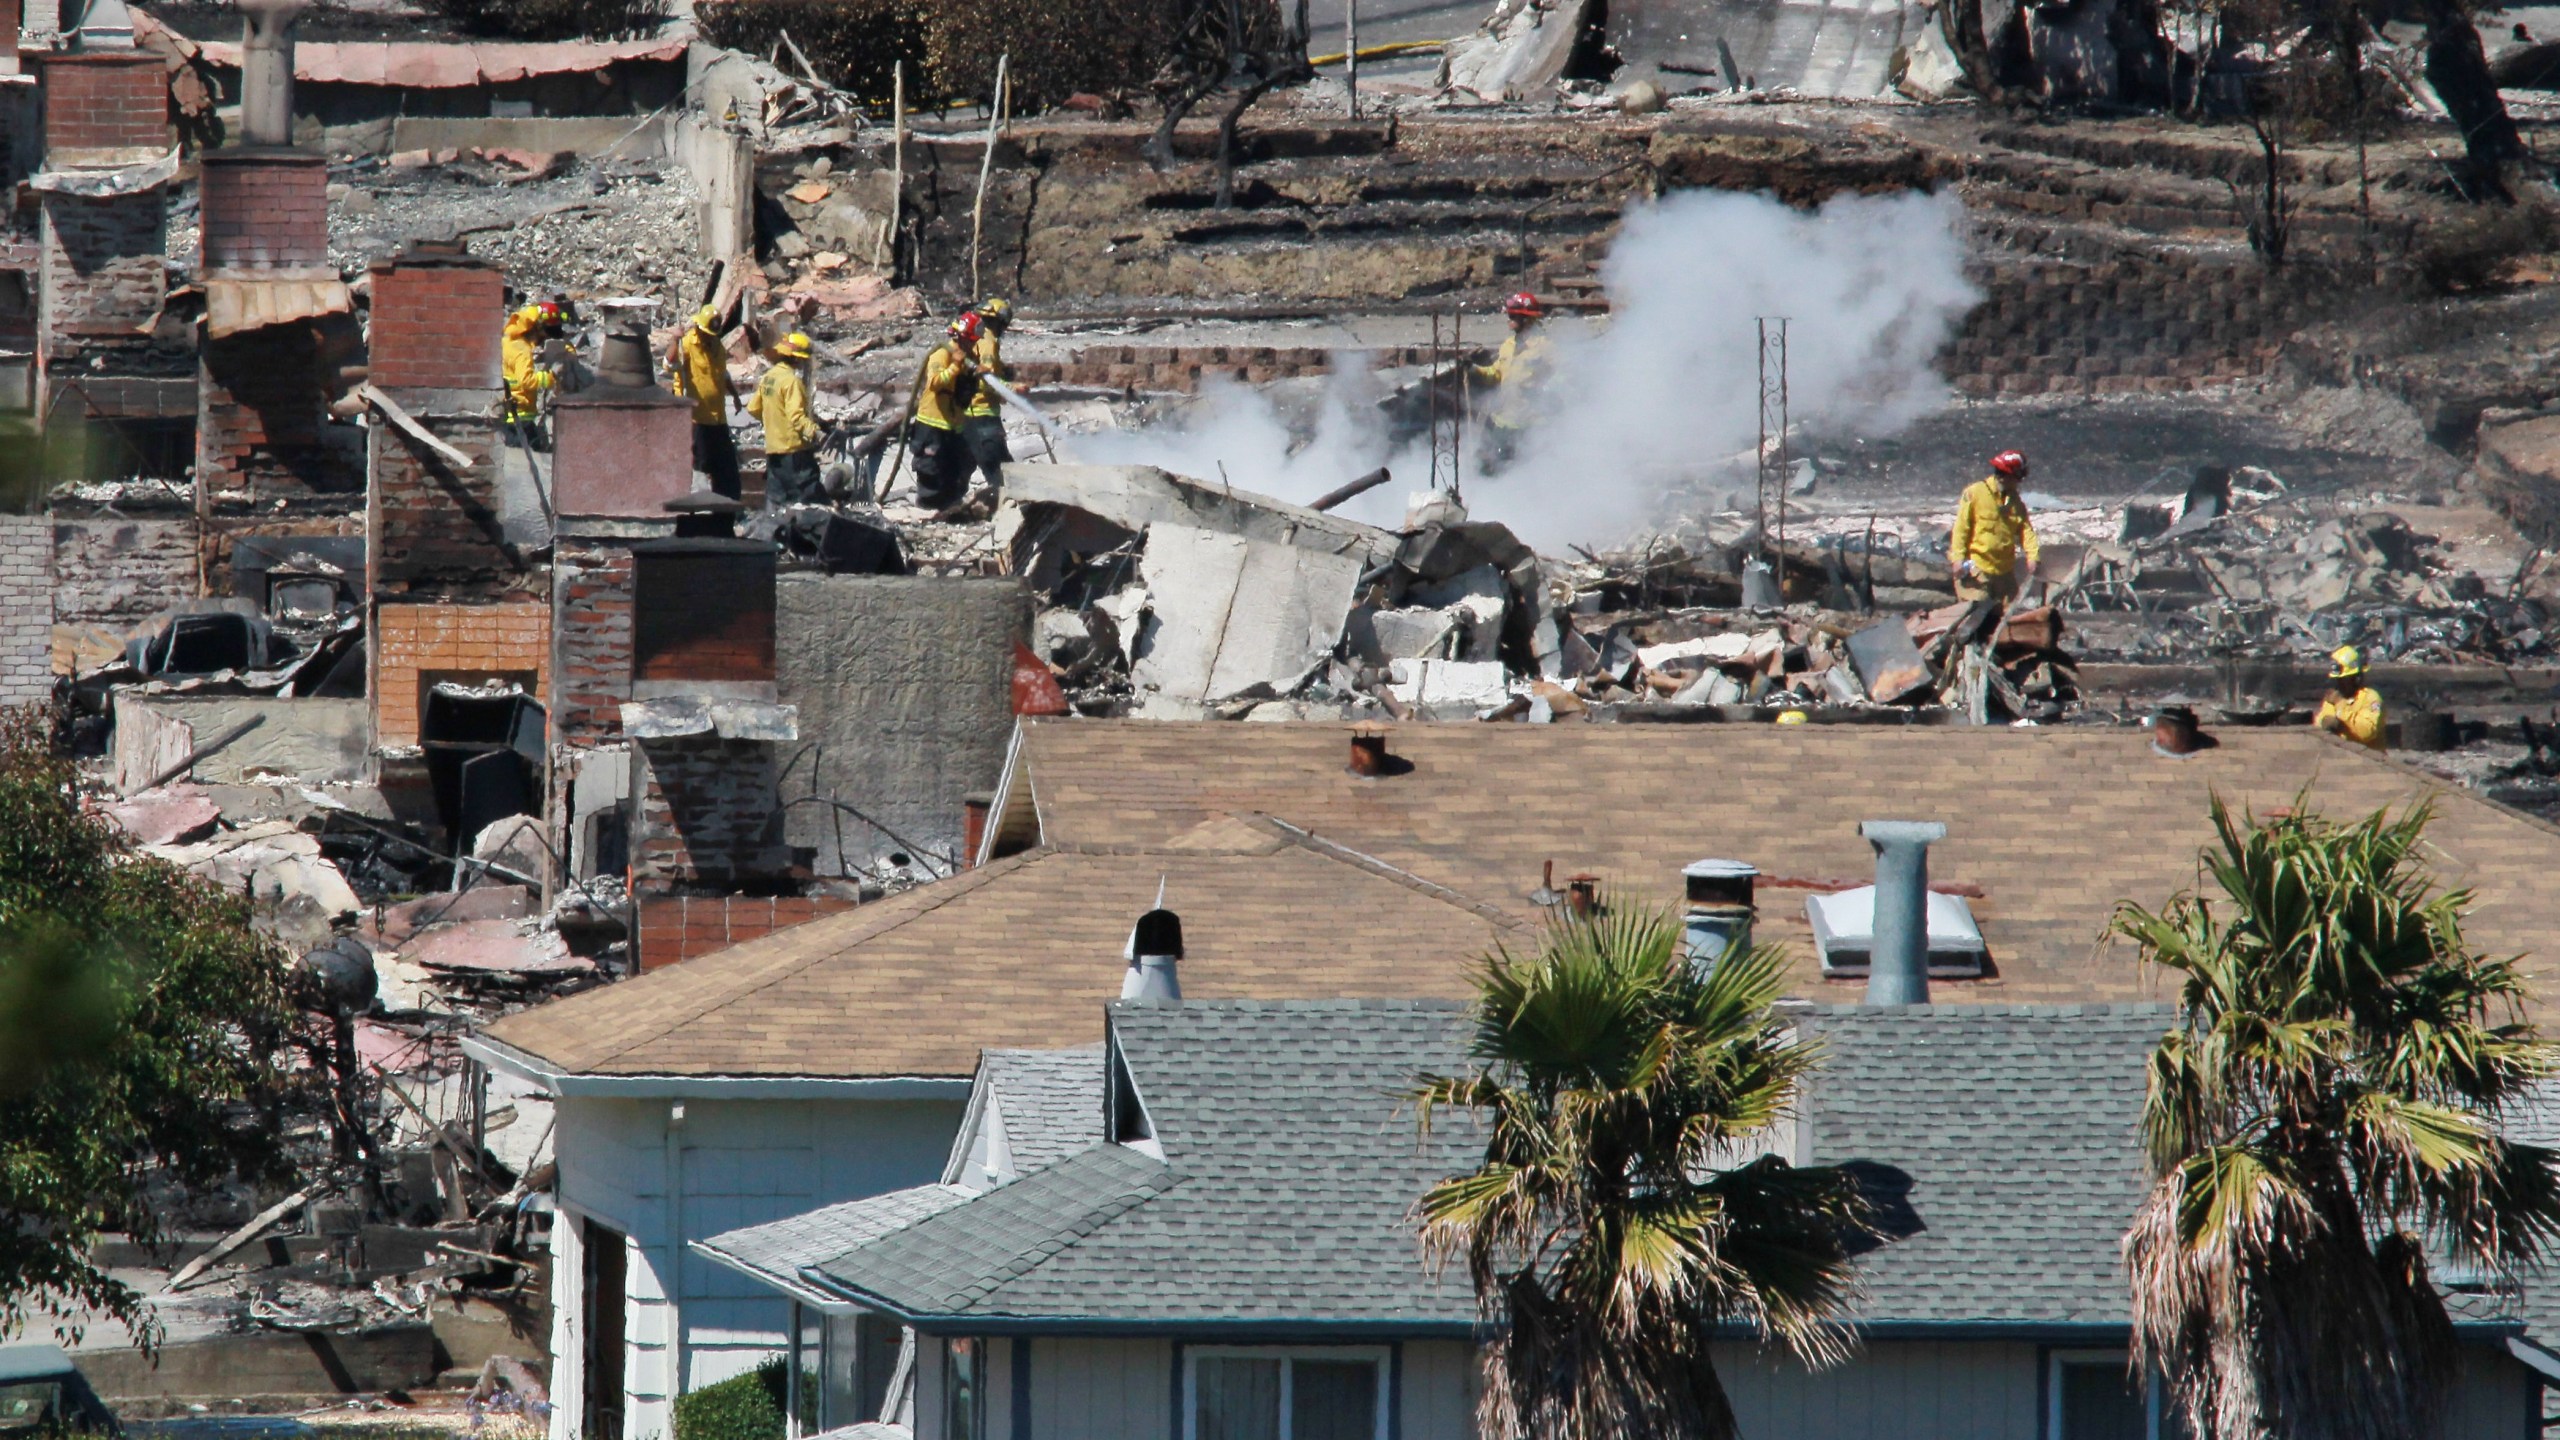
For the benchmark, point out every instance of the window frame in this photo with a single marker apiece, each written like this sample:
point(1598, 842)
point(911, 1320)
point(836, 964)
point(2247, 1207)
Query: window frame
point(977, 1347)
point(1382, 1357)
point(2155, 1394)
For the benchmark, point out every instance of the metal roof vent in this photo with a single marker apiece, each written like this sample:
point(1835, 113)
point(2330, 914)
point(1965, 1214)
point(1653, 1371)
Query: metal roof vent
point(1720, 909)
point(1898, 972)
point(1154, 954)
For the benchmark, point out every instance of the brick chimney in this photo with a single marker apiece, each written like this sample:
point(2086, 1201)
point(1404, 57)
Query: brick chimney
point(266, 204)
point(437, 313)
point(104, 106)
point(623, 446)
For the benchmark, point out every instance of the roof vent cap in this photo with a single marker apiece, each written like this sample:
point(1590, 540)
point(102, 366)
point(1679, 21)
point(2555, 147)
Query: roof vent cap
point(1154, 953)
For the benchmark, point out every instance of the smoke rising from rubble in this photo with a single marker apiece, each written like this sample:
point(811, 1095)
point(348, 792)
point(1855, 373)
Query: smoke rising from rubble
point(1665, 394)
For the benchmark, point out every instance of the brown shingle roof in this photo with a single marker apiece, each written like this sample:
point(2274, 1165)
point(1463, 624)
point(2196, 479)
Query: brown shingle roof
point(1023, 952)
point(1405, 879)
point(2054, 825)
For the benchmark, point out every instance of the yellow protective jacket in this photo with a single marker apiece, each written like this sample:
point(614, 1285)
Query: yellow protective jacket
point(990, 358)
point(701, 372)
point(1991, 528)
point(2359, 716)
point(1515, 369)
point(782, 403)
point(937, 390)
point(516, 347)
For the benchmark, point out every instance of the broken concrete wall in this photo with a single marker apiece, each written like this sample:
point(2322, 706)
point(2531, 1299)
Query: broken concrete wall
point(26, 608)
point(315, 741)
point(905, 706)
point(1229, 616)
point(723, 166)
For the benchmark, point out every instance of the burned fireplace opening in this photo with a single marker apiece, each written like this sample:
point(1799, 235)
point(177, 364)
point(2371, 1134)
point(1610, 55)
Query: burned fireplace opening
point(484, 748)
point(702, 613)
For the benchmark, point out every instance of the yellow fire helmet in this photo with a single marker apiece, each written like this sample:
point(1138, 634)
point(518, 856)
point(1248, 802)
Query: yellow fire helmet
point(707, 320)
point(2345, 662)
point(1791, 717)
point(794, 345)
point(996, 311)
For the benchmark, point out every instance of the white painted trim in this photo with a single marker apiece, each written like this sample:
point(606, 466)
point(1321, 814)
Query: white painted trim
point(1380, 1356)
point(571, 1084)
point(1002, 805)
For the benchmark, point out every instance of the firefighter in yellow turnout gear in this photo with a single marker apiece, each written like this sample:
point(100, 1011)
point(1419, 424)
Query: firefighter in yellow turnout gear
point(1515, 373)
point(1991, 534)
point(944, 383)
point(518, 347)
point(790, 433)
point(2352, 709)
point(982, 442)
point(698, 368)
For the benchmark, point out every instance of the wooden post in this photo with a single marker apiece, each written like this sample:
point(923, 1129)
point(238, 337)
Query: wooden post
point(986, 167)
point(897, 159)
point(1351, 54)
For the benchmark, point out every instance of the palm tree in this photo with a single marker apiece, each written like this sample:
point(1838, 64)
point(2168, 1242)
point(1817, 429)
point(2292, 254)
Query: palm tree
point(2323, 1128)
point(1619, 1220)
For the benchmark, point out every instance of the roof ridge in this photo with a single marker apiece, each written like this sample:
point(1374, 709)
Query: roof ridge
point(948, 890)
point(1340, 853)
point(1159, 1177)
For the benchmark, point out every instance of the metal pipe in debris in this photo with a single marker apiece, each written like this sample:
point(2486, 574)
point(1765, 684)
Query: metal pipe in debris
point(1361, 486)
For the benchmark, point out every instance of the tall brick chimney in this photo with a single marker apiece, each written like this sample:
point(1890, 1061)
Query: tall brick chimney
point(101, 283)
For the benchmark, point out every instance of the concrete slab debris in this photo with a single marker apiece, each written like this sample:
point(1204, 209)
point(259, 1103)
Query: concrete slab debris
point(1229, 616)
point(674, 718)
point(499, 946)
point(1450, 682)
point(166, 817)
point(1408, 633)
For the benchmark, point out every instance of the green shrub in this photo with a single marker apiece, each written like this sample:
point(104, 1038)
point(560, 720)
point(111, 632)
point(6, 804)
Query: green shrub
point(950, 46)
point(746, 1407)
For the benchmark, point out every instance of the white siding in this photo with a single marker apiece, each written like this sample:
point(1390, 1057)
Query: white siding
point(1439, 1401)
point(1908, 1390)
point(1100, 1390)
point(743, 1162)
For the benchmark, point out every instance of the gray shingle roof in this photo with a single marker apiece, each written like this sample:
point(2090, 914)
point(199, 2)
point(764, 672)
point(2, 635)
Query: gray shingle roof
point(1290, 1163)
point(2016, 1129)
point(778, 1249)
point(1051, 1101)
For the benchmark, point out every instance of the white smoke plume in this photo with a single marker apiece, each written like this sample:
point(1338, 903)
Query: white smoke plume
point(1665, 391)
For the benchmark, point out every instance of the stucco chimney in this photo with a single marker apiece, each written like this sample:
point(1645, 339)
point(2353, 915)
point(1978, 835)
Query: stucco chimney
point(266, 70)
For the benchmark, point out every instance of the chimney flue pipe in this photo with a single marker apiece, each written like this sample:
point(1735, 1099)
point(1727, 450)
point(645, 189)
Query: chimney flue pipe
point(1155, 955)
point(266, 70)
point(1898, 968)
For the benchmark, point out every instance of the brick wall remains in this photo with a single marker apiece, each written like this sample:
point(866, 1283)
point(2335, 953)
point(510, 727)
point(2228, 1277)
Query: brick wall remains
point(436, 321)
point(591, 642)
point(436, 529)
point(104, 100)
point(411, 642)
point(263, 432)
point(265, 207)
point(708, 815)
point(102, 272)
point(114, 572)
point(26, 608)
point(704, 611)
point(675, 928)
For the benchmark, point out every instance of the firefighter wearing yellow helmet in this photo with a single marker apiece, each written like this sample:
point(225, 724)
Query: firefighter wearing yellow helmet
point(518, 346)
point(790, 434)
point(698, 369)
point(982, 441)
point(2352, 709)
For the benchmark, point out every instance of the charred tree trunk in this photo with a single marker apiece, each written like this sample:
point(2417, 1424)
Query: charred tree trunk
point(2459, 71)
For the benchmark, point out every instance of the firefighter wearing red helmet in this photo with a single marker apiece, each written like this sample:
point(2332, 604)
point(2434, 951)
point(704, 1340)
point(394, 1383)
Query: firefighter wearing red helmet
point(1991, 532)
point(1514, 374)
point(944, 383)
